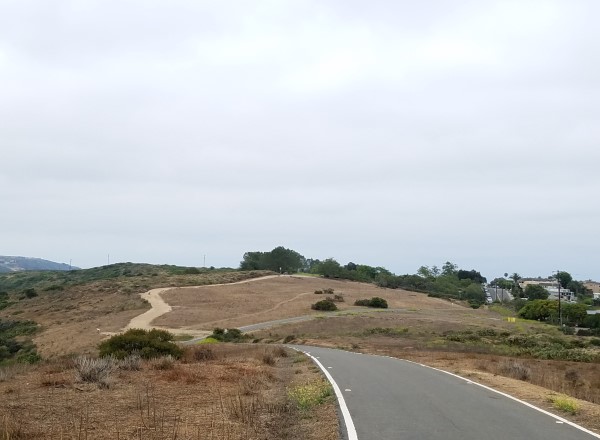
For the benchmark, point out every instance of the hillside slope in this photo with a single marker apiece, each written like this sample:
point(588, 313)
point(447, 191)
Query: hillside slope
point(18, 264)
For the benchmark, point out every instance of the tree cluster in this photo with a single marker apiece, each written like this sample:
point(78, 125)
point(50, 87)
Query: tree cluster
point(279, 259)
point(547, 310)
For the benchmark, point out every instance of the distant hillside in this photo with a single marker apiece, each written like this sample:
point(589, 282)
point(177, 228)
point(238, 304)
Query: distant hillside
point(18, 264)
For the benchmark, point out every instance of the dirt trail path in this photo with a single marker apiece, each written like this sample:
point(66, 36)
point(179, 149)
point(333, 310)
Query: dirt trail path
point(262, 312)
point(159, 307)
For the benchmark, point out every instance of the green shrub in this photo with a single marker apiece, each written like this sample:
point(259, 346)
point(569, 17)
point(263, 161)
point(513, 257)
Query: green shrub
point(30, 293)
point(324, 305)
point(311, 394)
point(487, 332)
point(565, 404)
point(228, 335)
point(289, 338)
point(595, 342)
point(379, 303)
point(148, 344)
point(318, 292)
point(375, 302)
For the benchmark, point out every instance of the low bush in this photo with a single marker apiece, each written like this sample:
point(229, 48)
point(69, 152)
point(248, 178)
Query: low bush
point(199, 353)
point(148, 344)
point(565, 404)
point(487, 332)
point(133, 362)
point(386, 331)
point(30, 293)
point(228, 335)
point(324, 305)
point(163, 363)
point(515, 370)
point(318, 292)
point(374, 302)
point(311, 394)
point(288, 339)
point(268, 358)
point(95, 370)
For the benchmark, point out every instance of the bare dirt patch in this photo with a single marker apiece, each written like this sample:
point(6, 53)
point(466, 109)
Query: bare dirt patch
point(207, 307)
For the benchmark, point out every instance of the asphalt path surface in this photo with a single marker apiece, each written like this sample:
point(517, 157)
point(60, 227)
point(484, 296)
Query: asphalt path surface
point(499, 294)
point(394, 399)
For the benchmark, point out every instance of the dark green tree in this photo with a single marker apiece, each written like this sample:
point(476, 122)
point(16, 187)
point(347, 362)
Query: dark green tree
point(471, 275)
point(329, 268)
point(564, 278)
point(449, 269)
point(535, 291)
point(279, 259)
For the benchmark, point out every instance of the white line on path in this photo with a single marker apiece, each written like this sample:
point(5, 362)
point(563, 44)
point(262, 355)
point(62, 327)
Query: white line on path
point(543, 411)
point(345, 412)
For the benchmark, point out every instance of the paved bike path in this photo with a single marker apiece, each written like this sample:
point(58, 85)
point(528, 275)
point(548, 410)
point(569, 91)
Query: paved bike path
point(394, 399)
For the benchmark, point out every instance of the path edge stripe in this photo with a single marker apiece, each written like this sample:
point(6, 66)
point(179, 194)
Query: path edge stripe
point(350, 429)
point(543, 411)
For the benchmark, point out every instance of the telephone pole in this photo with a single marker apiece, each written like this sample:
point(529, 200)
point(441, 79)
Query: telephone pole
point(559, 308)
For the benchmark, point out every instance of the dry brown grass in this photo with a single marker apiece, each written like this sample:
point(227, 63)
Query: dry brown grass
point(207, 307)
point(70, 318)
point(233, 395)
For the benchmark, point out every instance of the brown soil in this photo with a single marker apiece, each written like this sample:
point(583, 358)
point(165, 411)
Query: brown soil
point(207, 307)
point(241, 394)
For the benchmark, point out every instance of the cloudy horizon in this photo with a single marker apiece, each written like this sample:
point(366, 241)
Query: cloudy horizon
point(392, 134)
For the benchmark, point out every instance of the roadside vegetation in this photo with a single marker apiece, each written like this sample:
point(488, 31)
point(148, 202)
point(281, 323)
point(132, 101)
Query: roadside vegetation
point(15, 342)
point(230, 391)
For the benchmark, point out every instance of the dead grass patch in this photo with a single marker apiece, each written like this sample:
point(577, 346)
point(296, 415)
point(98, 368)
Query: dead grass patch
point(250, 402)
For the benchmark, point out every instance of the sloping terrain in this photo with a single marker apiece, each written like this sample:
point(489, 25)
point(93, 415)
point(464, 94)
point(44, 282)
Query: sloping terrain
point(75, 308)
point(17, 264)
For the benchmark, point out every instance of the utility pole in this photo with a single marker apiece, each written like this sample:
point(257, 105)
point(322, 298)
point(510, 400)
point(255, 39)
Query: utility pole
point(559, 309)
point(204, 264)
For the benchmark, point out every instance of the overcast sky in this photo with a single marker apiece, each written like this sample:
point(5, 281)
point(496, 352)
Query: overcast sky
point(391, 133)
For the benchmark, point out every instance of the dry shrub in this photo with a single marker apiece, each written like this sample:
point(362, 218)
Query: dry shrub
point(250, 384)
point(14, 424)
point(244, 409)
point(163, 363)
point(56, 380)
point(7, 372)
point(133, 362)
point(573, 377)
point(268, 358)
point(181, 374)
point(280, 352)
point(515, 370)
point(95, 370)
point(199, 353)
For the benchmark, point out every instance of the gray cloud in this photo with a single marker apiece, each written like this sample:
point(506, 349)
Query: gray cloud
point(392, 134)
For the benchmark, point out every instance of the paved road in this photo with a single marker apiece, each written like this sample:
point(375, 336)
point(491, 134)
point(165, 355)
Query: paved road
point(502, 295)
point(394, 399)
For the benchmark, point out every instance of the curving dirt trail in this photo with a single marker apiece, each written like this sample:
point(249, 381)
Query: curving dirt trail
point(159, 307)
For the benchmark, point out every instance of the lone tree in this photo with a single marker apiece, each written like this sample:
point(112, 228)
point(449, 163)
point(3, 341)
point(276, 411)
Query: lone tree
point(535, 291)
point(564, 278)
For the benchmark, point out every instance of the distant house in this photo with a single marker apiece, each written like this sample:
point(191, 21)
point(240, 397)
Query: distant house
point(594, 286)
point(551, 286)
